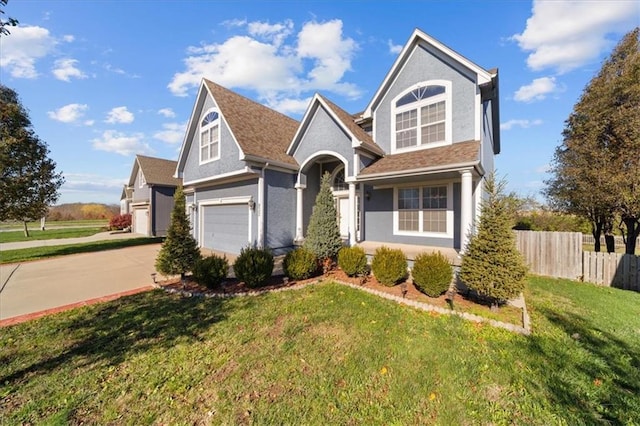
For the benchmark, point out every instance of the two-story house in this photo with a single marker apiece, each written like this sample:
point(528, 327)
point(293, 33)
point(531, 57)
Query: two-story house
point(406, 171)
point(149, 195)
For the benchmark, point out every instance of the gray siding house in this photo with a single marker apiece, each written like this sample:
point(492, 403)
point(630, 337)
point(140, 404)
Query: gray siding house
point(150, 195)
point(406, 171)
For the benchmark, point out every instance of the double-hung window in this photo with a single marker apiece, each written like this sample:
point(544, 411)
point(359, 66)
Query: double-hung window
point(210, 137)
point(423, 210)
point(422, 116)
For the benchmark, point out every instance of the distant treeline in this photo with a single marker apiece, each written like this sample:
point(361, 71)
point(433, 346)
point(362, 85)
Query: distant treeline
point(82, 211)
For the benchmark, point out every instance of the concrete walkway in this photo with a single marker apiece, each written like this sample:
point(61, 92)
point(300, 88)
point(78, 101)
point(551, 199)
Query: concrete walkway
point(101, 236)
point(32, 287)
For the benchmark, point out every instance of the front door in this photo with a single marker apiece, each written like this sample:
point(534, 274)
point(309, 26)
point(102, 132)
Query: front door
point(342, 206)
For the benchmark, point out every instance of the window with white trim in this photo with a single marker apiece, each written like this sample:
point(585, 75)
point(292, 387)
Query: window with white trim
point(210, 137)
point(339, 183)
point(422, 116)
point(422, 209)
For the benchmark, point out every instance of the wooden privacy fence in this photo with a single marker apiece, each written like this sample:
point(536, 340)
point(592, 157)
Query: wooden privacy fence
point(553, 254)
point(560, 255)
point(612, 269)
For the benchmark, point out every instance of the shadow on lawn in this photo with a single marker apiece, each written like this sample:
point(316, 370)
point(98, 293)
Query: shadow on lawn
point(594, 377)
point(112, 332)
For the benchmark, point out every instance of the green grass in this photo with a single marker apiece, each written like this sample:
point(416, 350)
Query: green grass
point(56, 224)
point(327, 354)
point(24, 255)
point(51, 234)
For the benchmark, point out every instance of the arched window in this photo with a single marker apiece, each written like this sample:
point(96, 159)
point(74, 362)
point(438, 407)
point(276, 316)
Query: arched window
point(422, 116)
point(210, 137)
point(338, 183)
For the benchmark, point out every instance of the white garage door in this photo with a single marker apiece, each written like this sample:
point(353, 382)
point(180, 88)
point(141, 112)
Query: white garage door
point(141, 221)
point(225, 227)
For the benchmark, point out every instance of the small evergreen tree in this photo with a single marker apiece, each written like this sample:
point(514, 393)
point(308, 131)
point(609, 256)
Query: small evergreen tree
point(492, 265)
point(323, 234)
point(179, 251)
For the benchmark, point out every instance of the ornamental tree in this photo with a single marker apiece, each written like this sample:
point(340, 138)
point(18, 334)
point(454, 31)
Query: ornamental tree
point(323, 234)
point(179, 251)
point(492, 265)
point(28, 181)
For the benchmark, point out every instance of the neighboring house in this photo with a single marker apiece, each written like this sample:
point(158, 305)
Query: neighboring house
point(125, 199)
point(152, 186)
point(407, 171)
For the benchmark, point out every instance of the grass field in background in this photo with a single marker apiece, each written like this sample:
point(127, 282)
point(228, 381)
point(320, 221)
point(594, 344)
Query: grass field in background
point(35, 253)
point(64, 223)
point(50, 234)
point(326, 354)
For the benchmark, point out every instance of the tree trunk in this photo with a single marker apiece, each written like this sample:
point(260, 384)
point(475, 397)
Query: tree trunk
point(609, 239)
point(631, 233)
point(26, 231)
point(596, 231)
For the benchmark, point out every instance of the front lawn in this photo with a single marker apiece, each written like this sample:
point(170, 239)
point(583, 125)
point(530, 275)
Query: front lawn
point(326, 354)
point(49, 234)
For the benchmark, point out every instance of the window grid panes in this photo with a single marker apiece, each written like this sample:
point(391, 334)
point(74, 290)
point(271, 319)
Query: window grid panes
point(209, 144)
point(338, 181)
point(406, 123)
point(422, 209)
point(426, 124)
point(408, 206)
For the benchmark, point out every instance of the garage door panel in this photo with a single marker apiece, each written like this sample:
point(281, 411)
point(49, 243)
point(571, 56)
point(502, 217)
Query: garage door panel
point(226, 227)
point(141, 221)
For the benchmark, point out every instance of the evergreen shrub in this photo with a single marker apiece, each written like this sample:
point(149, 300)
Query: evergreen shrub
point(431, 273)
point(211, 271)
point(352, 260)
point(323, 234)
point(389, 265)
point(254, 266)
point(300, 264)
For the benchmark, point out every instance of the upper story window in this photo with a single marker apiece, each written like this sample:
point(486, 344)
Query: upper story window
point(210, 137)
point(422, 116)
point(141, 180)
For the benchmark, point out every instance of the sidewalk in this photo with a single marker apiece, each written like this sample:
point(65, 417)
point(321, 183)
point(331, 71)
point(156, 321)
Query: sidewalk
point(102, 236)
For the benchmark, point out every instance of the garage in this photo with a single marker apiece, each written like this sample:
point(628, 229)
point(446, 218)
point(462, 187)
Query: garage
point(141, 221)
point(225, 227)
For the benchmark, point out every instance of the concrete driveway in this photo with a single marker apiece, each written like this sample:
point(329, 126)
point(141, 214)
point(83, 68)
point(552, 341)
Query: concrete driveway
point(32, 287)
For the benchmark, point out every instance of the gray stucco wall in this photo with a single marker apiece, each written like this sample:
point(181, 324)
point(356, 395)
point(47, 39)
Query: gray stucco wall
point(280, 211)
point(229, 152)
point(140, 194)
point(424, 65)
point(378, 220)
point(162, 201)
point(324, 134)
point(236, 189)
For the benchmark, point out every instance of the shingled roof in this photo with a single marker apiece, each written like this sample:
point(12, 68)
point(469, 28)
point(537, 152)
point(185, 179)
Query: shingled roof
point(259, 130)
point(450, 155)
point(157, 171)
point(348, 120)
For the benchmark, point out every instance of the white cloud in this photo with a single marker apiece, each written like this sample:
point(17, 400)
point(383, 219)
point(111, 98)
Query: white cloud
point(68, 113)
point(172, 133)
point(167, 112)
point(525, 124)
point(89, 122)
point(64, 69)
point(394, 49)
point(289, 106)
point(267, 60)
point(121, 143)
point(543, 169)
point(68, 38)
point(119, 115)
point(25, 46)
point(91, 182)
point(566, 34)
point(537, 90)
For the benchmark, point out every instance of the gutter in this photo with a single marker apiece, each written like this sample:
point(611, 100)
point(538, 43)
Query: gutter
point(424, 170)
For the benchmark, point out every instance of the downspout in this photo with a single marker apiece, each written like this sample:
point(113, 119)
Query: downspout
point(261, 191)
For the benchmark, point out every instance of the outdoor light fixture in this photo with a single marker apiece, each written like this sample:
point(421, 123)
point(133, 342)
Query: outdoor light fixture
point(193, 207)
point(153, 277)
point(403, 288)
point(252, 204)
point(367, 195)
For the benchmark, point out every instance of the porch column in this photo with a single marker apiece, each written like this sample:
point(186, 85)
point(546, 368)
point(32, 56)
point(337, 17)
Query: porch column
point(299, 211)
point(352, 214)
point(466, 203)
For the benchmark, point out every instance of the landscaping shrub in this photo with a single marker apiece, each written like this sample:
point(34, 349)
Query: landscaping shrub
point(389, 265)
point(431, 273)
point(211, 271)
point(352, 260)
point(254, 266)
point(120, 222)
point(300, 264)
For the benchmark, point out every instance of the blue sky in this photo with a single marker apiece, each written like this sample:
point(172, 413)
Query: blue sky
point(104, 80)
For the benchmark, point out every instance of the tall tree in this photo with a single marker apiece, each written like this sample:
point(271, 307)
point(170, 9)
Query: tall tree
point(179, 252)
point(595, 169)
point(323, 234)
point(491, 264)
point(29, 183)
point(10, 22)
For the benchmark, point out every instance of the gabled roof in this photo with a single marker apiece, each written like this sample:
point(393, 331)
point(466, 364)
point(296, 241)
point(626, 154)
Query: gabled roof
point(156, 171)
point(343, 118)
point(461, 154)
point(418, 36)
point(259, 131)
